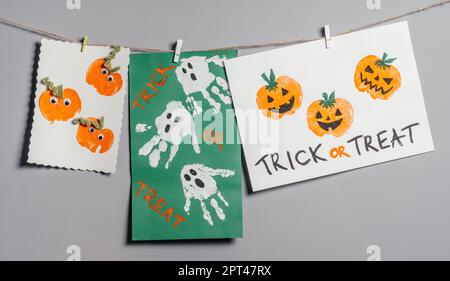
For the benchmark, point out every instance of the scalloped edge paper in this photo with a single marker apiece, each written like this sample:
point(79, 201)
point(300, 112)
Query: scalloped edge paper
point(55, 144)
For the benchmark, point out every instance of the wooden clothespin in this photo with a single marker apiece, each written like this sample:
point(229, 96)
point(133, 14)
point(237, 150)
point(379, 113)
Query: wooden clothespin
point(84, 43)
point(327, 35)
point(176, 56)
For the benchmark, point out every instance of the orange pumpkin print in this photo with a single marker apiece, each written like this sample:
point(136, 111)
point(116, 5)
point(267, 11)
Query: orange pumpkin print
point(377, 77)
point(330, 116)
point(103, 77)
point(57, 103)
point(92, 135)
point(281, 96)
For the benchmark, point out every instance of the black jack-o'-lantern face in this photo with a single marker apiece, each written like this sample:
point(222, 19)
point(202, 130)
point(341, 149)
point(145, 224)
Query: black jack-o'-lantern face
point(281, 96)
point(330, 116)
point(377, 77)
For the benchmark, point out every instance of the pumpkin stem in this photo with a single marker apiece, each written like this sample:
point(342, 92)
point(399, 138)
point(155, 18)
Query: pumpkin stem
point(385, 62)
point(98, 123)
point(271, 81)
point(110, 57)
point(56, 91)
point(328, 101)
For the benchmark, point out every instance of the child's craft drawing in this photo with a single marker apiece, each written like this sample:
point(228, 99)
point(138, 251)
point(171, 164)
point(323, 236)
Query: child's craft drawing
point(198, 183)
point(72, 89)
point(92, 135)
point(330, 116)
point(195, 77)
point(377, 77)
point(58, 103)
point(103, 76)
point(174, 124)
point(167, 136)
point(338, 131)
point(281, 96)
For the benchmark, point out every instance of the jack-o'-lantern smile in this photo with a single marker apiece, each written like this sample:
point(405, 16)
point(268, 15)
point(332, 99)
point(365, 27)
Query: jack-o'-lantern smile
point(285, 107)
point(375, 87)
point(330, 116)
point(332, 125)
point(377, 76)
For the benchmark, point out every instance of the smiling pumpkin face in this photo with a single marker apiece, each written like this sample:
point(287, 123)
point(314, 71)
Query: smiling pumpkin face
point(330, 116)
point(377, 77)
point(281, 96)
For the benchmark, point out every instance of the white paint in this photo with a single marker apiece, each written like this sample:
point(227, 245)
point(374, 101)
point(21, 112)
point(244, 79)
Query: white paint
point(141, 128)
point(195, 77)
point(174, 124)
point(198, 183)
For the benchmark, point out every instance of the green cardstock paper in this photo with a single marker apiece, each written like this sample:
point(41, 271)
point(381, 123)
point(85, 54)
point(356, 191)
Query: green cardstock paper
point(185, 151)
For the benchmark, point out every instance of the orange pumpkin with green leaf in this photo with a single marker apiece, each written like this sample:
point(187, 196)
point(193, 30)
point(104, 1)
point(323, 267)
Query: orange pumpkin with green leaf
point(92, 135)
point(279, 97)
point(330, 116)
point(105, 78)
point(58, 103)
point(377, 77)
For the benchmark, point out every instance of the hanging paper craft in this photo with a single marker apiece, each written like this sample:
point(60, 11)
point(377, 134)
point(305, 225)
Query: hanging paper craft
point(357, 104)
point(79, 105)
point(185, 156)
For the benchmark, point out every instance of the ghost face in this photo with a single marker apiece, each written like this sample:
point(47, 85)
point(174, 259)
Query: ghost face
point(174, 123)
point(193, 74)
point(198, 181)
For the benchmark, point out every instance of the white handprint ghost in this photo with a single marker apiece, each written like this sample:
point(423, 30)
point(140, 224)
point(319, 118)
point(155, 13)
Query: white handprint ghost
point(172, 125)
point(194, 75)
point(198, 183)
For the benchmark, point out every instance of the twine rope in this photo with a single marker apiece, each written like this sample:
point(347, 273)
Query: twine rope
point(239, 47)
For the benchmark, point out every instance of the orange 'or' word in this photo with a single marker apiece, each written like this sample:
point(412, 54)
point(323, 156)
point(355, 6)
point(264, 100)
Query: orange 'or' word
point(338, 152)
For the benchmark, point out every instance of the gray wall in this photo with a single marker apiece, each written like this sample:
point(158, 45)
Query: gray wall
point(402, 206)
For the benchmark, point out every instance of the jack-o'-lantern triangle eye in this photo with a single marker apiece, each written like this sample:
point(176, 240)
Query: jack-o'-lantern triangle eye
point(388, 80)
point(369, 69)
point(338, 112)
point(284, 92)
point(318, 115)
point(269, 99)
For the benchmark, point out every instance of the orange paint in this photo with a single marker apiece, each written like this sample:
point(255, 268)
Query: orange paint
point(153, 84)
point(330, 116)
point(159, 205)
point(281, 96)
point(92, 138)
point(211, 138)
point(338, 152)
point(59, 108)
point(377, 77)
point(104, 82)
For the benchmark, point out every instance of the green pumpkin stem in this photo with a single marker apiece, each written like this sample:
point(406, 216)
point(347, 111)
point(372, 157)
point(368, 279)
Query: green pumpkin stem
point(98, 124)
point(271, 81)
point(385, 62)
point(56, 91)
point(328, 101)
point(110, 57)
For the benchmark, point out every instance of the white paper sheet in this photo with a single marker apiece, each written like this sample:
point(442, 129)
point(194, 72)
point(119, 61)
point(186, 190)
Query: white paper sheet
point(56, 143)
point(319, 70)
